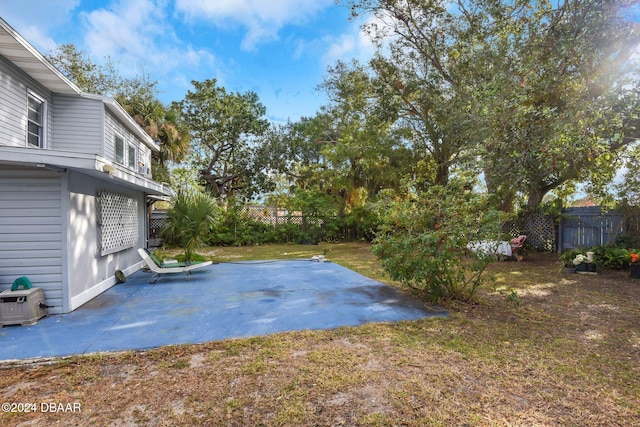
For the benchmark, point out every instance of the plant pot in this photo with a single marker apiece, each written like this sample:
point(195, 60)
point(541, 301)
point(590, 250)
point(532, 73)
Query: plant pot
point(591, 267)
point(634, 271)
point(581, 267)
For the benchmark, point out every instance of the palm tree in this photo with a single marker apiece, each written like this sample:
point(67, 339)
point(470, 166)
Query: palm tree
point(164, 125)
point(189, 221)
point(173, 136)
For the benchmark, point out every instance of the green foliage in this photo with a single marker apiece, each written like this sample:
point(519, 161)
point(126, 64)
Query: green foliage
point(194, 258)
point(235, 228)
point(189, 221)
point(628, 189)
point(223, 125)
point(423, 239)
point(567, 256)
point(514, 299)
point(99, 79)
point(628, 241)
point(542, 94)
point(312, 219)
point(612, 256)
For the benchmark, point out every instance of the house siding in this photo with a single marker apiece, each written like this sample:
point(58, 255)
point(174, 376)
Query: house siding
point(77, 124)
point(114, 127)
point(90, 273)
point(48, 219)
point(14, 86)
point(31, 229)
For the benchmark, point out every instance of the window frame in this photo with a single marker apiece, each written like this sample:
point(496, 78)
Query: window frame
point(121, 160)
point(131, 162)
point(42, 125)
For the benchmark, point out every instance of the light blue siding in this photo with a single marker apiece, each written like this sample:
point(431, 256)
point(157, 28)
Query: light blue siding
point(31, 230)
point(77, 124)
point(114, 127)
point(14, 86)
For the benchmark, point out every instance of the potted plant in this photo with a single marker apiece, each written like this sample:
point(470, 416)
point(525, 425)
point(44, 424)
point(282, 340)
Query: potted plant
point(634, 266)
point(567, 257)
point(580, 262)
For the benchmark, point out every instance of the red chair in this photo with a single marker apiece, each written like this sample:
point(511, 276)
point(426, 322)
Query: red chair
point(517, 243)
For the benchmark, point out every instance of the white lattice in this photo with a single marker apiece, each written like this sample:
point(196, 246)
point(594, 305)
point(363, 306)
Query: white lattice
point(117, 222)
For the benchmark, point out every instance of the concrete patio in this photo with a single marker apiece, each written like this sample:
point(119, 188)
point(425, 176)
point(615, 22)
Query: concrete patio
point(218, 302)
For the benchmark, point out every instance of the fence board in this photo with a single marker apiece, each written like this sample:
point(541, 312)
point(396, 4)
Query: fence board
point(585, 227)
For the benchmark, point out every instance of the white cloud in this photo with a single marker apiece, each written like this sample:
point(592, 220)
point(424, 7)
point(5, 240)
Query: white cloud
point(36, 18)
point(262, 19)
point(134, 33)
point(340, 48)
point(354, 44)
point(34, 35)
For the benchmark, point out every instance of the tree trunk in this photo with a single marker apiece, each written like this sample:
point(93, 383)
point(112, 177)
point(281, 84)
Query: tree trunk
point(534, 198)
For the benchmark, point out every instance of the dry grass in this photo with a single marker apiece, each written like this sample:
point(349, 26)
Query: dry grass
point(569, 354)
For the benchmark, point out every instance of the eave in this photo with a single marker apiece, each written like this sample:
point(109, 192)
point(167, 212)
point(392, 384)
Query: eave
point(89, 164)
point(24, 56)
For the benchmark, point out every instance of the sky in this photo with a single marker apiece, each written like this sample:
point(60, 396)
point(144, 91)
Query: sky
point(279, 49)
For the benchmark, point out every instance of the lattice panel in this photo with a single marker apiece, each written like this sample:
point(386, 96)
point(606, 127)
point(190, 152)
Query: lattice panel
point(117, 222)
point(157, 223)
point(274, 216)
point(539, 229)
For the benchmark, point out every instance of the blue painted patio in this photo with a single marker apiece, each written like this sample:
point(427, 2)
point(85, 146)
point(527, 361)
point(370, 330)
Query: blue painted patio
point(218, 302)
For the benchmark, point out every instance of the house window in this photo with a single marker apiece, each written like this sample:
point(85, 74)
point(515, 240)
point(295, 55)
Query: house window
point(131, 156)
point(119, 150)
point(35, 122)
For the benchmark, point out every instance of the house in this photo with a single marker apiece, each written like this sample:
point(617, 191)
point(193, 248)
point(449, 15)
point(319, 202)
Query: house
point(75, 181)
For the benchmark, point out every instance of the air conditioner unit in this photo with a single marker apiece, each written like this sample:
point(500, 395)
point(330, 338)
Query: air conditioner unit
point(144, 170)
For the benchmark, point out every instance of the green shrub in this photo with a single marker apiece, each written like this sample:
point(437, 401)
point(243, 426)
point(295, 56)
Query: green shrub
point(423, 239)
point(611, 257)
point(189, 221)
point(605, 256)
point(567, 256)
point(628, 241)
point(194, 257)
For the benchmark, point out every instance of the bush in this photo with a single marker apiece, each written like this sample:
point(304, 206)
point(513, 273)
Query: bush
point(567, 256)
point(189, 221)
point(611, 257)
point(194, 257)
point(423, 239)
point(235, 228)
point(605, 256)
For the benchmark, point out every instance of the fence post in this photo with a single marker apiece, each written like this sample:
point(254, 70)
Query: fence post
point(559, 240)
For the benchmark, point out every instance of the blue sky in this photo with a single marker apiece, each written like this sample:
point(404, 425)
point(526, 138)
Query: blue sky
point(279, 49)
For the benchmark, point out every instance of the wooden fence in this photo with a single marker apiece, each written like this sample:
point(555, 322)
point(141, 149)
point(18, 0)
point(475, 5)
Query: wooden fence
point(586, 227)
point(581, 227)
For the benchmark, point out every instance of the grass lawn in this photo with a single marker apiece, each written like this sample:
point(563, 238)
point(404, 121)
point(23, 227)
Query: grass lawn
point(567, 354)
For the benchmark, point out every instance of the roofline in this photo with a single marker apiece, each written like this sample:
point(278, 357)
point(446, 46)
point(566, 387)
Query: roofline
point(38, 56)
